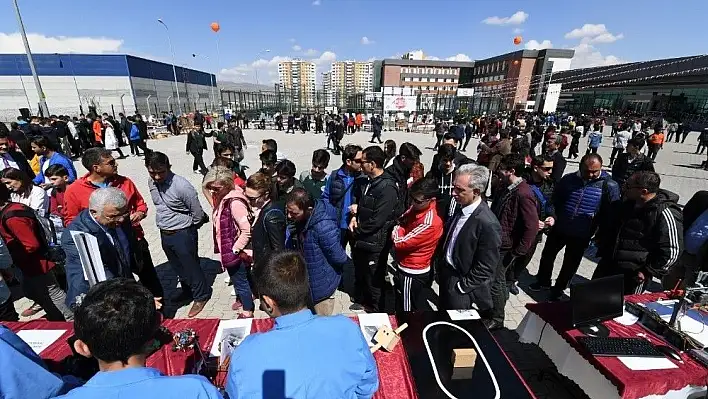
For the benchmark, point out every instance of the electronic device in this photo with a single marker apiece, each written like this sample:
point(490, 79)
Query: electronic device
point(596, 301)
point(699, 355)
point(604, 346)
point(669, 352)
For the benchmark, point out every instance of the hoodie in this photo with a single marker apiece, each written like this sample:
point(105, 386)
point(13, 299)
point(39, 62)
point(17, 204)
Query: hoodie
point(648, 238)
point(377, 203)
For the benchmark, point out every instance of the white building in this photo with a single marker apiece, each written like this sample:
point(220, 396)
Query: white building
point(112, 83)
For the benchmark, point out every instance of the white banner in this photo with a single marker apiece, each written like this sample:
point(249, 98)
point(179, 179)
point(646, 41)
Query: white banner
point(465, 92)
point(400, 103)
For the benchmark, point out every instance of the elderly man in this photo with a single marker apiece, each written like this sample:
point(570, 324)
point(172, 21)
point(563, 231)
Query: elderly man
point(471, 247)
point(107, 219)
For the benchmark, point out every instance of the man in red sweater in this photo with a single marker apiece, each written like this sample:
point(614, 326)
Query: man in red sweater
point(415, 239)
point(103, 172)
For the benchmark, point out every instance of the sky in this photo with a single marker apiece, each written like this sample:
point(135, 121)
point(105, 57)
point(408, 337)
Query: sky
point(257, 34)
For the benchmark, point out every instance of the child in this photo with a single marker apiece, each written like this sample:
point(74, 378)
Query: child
point(59, 178)
point(594, 140)
point(116, 323)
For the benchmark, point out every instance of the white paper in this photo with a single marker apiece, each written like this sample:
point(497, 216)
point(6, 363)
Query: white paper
point(40, 340)
point(626, 319)
point(90, 256)
point(236, 330)
point(469, 314)
point(370, 324)
point(647, 363)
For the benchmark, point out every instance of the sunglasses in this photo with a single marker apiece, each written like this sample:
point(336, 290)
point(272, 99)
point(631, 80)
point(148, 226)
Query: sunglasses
point(546, 168)
point(254, 198)
point(357, 160)
point(420, 201)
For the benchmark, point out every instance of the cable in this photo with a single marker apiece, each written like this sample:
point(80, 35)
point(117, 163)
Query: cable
point(540, 337)
point(479, 351)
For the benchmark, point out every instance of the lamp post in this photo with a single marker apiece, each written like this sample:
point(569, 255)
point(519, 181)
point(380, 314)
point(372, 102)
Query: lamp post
point(43, 108)
point(259, 54)
point(73, 75)
point(174, 69)
point(211, 79)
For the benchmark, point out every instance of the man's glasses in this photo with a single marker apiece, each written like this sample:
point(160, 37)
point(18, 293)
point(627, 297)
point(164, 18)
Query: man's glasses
point(420, 201)
point(546, 168)
point(253, 199)
point(358, 160)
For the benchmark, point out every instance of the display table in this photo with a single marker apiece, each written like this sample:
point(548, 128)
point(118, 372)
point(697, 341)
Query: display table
point(549, 326)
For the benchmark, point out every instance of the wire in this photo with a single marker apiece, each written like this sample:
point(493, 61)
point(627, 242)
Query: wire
point(540, 337)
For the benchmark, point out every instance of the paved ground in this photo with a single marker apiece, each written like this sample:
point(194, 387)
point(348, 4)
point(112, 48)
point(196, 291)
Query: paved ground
point(677, 165)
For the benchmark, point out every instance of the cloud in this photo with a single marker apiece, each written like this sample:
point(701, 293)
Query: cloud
point(292, 40)
point(593, 33)
point(326, 57)
point(517, 30)
point(517, 18)
point(316, 2)
point(535, 45)
point(365, 41)
point(586, 55)
point(268, 68)
point(459, 57)
point(311, 52)
point(12, 43)
point(297, 48)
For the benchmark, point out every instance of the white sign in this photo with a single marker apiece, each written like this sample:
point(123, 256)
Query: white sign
point(40, 340)
point(400, 103)
point(465, 92)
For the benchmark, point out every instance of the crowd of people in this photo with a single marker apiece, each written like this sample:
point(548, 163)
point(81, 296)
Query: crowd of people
point(471, 226)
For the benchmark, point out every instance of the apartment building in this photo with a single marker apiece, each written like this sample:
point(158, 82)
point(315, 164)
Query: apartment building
point(431, 77)
point(298, 78)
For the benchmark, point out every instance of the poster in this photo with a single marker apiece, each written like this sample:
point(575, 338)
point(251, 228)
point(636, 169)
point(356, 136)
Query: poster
point(400, 103)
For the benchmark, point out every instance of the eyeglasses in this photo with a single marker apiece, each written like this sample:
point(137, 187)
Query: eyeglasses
point(420, 201)
point(546, 168)
point(253, 198)
point(357, 160)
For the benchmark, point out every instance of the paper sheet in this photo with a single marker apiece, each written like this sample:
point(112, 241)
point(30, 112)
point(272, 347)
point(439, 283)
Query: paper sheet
point(90, 256)
point(40, 340)
point(236, 330)
point(370, 324)
point(626, 319)
point(469, 314)
point(647, 363)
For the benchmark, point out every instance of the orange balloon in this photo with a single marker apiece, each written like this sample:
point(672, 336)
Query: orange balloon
point(215, 26)
point(518, 40)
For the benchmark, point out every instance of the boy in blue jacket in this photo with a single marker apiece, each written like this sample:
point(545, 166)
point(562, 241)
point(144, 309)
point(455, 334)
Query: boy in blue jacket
point(48, 157)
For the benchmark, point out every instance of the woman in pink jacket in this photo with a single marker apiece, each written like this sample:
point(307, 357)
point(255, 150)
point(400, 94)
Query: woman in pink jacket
point(232, 219)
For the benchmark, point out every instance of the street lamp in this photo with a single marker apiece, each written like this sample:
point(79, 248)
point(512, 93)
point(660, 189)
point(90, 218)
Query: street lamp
point(174, 69)
point(43, 108)
point(73, 75)
point(211, 78)
point(259, 54)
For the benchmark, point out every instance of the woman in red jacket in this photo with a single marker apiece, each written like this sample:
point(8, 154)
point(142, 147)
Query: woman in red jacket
point(25, 240)
point(415, 239)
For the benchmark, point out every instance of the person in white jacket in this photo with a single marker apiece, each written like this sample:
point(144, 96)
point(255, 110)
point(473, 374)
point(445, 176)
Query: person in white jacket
point(110, 139)
point(619, 142)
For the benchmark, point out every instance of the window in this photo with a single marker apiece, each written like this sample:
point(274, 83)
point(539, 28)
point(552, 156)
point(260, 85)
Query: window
point(416, 79)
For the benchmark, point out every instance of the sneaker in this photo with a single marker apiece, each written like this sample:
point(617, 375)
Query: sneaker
point(535, 287)
point(555, 296)
point(513, 289)
point(356, 307)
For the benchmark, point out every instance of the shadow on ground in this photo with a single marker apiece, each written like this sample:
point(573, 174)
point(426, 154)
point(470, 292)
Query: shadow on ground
point(169, 279)
point(537, 369)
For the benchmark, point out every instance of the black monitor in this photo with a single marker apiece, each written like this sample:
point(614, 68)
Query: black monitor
point(596, 301)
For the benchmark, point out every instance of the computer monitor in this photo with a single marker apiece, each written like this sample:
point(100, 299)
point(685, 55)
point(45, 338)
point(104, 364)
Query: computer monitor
point(597, 300)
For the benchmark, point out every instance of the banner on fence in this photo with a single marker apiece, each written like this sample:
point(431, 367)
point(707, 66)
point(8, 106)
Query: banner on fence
point(465, 92)
point(399, 103)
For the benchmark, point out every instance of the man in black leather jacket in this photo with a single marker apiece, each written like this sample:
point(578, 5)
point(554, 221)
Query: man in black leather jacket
point(268, 232)
point(373, 214)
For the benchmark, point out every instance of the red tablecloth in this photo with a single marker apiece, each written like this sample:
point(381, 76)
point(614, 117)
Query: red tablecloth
point(165, 360)
point(395, 378)
point(631, 384)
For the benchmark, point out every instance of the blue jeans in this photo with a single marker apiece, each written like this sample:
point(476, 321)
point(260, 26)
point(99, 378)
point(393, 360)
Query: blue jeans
point(239, 277)
point(180, 246)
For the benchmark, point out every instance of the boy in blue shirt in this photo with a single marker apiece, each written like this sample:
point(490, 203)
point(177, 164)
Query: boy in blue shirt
point(304, 356)
point(116, 323)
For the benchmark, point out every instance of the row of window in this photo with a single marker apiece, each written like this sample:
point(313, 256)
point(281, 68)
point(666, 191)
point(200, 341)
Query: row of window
point(438, 80)
point(488, 79)
point(498, 66)
point(438, 71)
point(436, 88)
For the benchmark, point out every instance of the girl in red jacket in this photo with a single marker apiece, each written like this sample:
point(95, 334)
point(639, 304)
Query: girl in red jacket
point(414, 240)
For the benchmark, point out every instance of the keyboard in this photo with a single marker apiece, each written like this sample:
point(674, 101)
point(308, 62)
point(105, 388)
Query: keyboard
point(603, 346)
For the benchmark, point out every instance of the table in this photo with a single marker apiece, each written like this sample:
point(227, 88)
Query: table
point(429, 341)
point(548, 325)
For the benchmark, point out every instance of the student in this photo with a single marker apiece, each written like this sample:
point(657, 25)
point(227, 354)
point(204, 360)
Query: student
point(304, 355)
point(196, 144)
point(23, 191)
point(314, 180)
point(48, 157)
point(59, 179)
point(116, 323)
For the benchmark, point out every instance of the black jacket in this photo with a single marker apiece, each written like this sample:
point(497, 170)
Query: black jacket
point(400, 173)
point(475, 256)
point(623, 169)
point(559, 164)
point(376, 201)
point(445, 202)
point(142, 130)
point(196, 142)
point(647, 239)
point(268, 232)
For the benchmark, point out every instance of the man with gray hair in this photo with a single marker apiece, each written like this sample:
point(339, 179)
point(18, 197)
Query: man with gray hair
point(107, 219)
point(470, 252)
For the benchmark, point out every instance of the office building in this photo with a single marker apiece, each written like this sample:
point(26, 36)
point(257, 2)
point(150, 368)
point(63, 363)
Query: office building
point(424, 76)
point(110, 83)
point(297, 78)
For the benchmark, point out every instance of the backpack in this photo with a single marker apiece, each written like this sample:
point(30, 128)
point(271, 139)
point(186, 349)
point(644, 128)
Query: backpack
point(44, 231)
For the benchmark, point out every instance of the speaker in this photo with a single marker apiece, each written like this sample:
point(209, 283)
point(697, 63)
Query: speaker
point(26, 114)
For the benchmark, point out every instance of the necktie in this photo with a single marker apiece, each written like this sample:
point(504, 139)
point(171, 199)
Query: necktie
point(451, 228)
point(119, 250)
